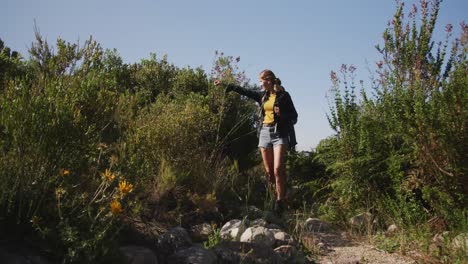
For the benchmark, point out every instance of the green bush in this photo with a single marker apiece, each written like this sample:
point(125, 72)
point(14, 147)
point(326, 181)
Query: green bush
point(56, 133)
point(80, 130)
point(184, 139)
point(179, 132)
point(406, 142)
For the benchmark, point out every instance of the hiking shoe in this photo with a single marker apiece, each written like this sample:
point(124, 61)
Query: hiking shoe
point(279, 207)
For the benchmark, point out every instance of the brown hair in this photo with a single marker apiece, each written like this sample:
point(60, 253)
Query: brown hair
point(269, 75)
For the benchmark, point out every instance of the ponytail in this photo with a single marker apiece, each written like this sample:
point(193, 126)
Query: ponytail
point(277, 86)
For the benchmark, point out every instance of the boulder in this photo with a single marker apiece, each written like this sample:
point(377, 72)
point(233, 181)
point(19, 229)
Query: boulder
point(139, 255)
point(232, 230)
point(258, 235)
point(193, 255)
point(201, 232)
point(391, 230)
point(173, 240)
point(283, 238)
point(229, 252)
point(460, 242)
point(259, 222)
point(316, 225)
point(361, 220)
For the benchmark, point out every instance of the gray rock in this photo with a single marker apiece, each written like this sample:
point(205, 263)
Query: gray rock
point(259, 222)
point(173, 240)
point(193, 255)
point(316, 225)
point(201, 232)
point(361, 220)
point(283, 238)
point(233, 229)
point(258, 235)
point(460, 242)
point(229, 252)
point(139, 255)
point(391, 230)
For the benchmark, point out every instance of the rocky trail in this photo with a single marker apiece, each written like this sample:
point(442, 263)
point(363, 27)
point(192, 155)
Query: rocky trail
point(259, 237)
point(262, 238)
point(331, 246)
point(339, 249)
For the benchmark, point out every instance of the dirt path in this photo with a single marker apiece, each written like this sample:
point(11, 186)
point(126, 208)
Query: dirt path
point(340, 250)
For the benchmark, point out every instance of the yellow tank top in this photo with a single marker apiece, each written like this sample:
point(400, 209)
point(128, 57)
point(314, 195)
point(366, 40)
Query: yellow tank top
point(268, 108)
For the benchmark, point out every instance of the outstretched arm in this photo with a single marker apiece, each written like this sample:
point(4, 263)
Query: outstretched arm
point(254, 95)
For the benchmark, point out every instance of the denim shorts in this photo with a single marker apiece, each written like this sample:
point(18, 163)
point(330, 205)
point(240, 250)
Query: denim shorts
point(269, 138)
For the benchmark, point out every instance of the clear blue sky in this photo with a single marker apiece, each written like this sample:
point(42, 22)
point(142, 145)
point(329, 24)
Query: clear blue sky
point(301, 41)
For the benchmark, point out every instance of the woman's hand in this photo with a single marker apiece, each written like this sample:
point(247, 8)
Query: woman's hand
point(277, 110)
point(217, 82)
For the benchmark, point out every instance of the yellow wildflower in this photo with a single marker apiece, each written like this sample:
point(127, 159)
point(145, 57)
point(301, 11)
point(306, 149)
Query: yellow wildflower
point(35, 220)
point(59, 192)
point(101, 146)
point(116, 207)
point(113, 159)
point(125, 187)
point(64, 172)
point(108, 175)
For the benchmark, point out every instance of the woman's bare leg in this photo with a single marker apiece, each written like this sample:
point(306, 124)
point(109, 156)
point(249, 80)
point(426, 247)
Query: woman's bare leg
point(267, 156)
point(279, 152)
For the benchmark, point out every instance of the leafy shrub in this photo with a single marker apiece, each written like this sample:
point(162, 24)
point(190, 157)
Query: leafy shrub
point(56, 132)
point(404, 143)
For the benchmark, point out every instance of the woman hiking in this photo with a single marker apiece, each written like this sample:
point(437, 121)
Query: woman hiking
point(275, 129)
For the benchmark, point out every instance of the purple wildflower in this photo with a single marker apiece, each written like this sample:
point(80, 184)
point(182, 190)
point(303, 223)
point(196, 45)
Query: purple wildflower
point(413, 11)
point(424, 5)
point(343, 67)
point(333, 76)
point(380, 64)
point(448, 28)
